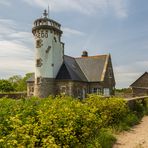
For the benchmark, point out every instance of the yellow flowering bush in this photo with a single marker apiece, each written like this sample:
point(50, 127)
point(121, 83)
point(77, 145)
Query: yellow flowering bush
point(59, 121)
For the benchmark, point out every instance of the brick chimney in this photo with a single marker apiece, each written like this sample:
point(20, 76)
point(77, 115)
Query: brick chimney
point(84, 54)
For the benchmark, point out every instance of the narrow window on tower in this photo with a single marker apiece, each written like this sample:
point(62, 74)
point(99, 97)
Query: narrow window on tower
point(55, 39)
point(39, 43)
point(39, 80)
point(48, 49)
point(39, 63)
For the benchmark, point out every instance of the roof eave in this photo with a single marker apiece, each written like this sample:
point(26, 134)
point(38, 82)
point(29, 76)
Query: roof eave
point(105, 67)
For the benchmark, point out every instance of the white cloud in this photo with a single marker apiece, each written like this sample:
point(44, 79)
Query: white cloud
point(14, 58)
point(86, 7)
point(6, 27)
point(125, 75)
point(16, 55)
point(9, 31)
point(69, 31)
point(119, 7)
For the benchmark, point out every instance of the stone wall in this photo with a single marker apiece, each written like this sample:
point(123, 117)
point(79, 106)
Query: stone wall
point(72, 88)
point(64, 87)
point(80, 89)
point(76, 89)
point(139, 92)
point(30, 89)
point(13, 95)
point(45, 88)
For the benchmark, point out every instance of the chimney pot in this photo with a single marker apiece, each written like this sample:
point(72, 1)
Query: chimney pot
point(84, 53)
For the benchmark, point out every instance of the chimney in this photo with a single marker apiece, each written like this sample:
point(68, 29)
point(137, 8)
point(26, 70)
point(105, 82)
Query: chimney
point(84, 54)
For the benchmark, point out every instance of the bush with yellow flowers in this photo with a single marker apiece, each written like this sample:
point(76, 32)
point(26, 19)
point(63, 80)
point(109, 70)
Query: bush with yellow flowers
point(60, 121)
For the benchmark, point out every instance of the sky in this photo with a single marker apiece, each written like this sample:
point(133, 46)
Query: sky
point(118, 27)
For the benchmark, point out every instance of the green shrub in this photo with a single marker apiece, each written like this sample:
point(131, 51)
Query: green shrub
point(63, 121)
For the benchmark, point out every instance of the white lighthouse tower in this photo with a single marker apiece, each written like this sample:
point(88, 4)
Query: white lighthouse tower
point(49, 54)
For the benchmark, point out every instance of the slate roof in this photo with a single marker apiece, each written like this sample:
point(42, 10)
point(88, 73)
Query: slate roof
point(141, 82)
point(70, 65)
point(86, 69)
point(93, 67)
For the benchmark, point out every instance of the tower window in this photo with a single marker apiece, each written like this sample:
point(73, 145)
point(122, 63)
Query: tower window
point(39, 43)
point(48, 49)
point(55, 39)
point(39, 80)
point(52, 65)
point(39, 62)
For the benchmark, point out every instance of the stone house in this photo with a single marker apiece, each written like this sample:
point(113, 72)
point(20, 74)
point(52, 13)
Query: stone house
point(140, 86)
point(57, 73)
point(80, 76)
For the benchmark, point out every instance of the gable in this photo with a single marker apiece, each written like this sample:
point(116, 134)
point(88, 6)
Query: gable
point(108, 77)
point(63, 73)
point(141, 81)
point(71, 68)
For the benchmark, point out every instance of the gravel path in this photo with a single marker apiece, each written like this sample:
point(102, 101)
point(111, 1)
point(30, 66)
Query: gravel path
point(137, 137)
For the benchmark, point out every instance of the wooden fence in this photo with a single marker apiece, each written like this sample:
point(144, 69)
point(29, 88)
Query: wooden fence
point(132, 101)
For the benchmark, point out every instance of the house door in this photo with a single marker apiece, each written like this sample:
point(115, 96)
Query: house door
point(106, 92)
point(83, 93)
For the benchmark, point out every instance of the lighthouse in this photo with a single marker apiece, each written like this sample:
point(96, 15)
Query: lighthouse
point(49, 53)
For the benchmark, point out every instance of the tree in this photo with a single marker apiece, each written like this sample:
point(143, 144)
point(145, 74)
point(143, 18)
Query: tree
point(19, 83)
point(6, 86)
point(15, 81)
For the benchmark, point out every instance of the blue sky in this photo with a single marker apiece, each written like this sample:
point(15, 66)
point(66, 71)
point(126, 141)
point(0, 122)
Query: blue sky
point(118, 27)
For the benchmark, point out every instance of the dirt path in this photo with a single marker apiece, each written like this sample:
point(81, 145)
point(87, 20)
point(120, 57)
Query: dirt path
point(137, 137)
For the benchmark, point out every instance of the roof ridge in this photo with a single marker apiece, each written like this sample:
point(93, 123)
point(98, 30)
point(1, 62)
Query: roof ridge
point(105, 67)
point(69, 56)
point(138, 79)
point(92, 56)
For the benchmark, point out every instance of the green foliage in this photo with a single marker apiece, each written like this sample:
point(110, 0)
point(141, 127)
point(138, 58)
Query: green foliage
point(106, 138)
point(19, 83)
point(61, 121)
point(124, 90)
point(6, 86)
point(15, 83)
